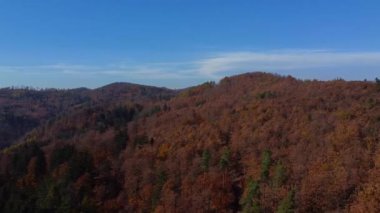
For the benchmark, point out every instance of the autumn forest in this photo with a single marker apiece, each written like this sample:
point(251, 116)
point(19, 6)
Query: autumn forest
point(254, 142)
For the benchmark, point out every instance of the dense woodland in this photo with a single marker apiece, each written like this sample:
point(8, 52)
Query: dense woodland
point(255, 142)
point(23, 109)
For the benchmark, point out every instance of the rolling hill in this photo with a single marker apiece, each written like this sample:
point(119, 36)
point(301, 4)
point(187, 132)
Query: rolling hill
point(255, 142)
point(23, 109)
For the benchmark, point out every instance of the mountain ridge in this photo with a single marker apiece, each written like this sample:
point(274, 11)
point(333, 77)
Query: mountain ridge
point(26, 108)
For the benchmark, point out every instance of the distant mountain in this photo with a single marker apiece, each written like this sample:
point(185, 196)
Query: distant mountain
point(21, 110)
point(131, 92)
point(251, 143)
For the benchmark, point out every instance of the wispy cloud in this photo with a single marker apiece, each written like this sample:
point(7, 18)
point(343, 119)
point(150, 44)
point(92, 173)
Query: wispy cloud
point(213, 67)
point(152, 71)
point(284, 60)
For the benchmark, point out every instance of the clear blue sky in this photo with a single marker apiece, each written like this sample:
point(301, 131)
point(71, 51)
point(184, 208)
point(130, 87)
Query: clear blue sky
point(178, 43)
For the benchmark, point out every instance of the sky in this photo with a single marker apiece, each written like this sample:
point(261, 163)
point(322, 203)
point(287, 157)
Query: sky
point(181, 43)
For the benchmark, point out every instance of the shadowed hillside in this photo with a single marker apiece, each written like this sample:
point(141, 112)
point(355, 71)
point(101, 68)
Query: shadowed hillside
point(24, 109)
point(252, 143)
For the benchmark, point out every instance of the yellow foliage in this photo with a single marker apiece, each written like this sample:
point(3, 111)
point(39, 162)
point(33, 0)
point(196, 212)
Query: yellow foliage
point(163, 151)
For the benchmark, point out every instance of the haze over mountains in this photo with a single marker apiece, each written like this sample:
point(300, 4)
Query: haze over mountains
point(255, 142)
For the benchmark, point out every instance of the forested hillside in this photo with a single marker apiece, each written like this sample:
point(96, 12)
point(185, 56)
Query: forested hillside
point(251, 143)
point(22, 109)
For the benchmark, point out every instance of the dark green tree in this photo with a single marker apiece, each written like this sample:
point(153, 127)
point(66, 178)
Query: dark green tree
point(250, 203)
point(61, 155)
point(224, 162)
point(22, 156)
point(225, 158)
point(265, 164)
point(54, 196)
point(141, 140)
point(80, 163)
point(279, 175)
point(121, 139)
point(287, 204)
point(377, 81)
point(206, 156)
point(159, 183)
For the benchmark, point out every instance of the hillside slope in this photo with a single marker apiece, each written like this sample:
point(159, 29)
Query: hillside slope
point(21, 110)
point(252, 143)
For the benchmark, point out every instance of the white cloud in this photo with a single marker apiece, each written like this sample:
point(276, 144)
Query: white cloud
point(284, 60)
point(165, 70)
point(214, 67)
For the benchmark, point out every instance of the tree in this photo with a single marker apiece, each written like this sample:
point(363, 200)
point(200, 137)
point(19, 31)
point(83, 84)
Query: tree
point(61, 155)
point(265, 164)
point(80, 163)
point(225, 162)
point(287, 204)
point(159, 183)
point(22, 156)
point(377, 80)
point(54, 196)
point(225, 158)
point(121, 139)
point(251, 201)
point(279, 175)
point(206, 156)
point(141, 140)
